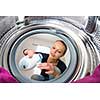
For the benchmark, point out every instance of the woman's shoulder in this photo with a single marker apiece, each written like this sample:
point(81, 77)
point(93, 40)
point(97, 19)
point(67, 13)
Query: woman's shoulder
point(61, 62)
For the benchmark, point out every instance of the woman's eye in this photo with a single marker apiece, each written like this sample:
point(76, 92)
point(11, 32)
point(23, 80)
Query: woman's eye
point(59, 51)
point(53, 47)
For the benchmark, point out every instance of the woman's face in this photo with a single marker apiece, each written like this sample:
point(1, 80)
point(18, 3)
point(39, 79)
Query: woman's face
point(57, 50)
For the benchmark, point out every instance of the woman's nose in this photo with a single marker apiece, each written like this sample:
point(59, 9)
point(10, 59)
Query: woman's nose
point(54, 51)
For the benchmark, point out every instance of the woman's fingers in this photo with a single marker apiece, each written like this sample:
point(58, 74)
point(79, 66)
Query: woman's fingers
point(25, 52)
point(43, 64)
point(50, 69)
point(28, 52)
point(49, 72)
point(46, 66)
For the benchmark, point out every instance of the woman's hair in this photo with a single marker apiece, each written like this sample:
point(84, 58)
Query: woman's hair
point(63, 44)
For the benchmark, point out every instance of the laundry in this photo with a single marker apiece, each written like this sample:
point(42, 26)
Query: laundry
point(94, 78)
point(6, 77)
point(27, 63)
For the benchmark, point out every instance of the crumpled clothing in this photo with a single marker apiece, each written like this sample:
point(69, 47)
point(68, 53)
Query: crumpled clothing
point(94, 78)
point(6, 77)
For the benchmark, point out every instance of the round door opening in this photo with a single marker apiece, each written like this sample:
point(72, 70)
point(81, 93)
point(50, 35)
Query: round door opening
point(40, 40)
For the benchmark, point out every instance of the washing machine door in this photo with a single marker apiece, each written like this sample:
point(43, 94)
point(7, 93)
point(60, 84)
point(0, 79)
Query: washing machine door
point(39, 34)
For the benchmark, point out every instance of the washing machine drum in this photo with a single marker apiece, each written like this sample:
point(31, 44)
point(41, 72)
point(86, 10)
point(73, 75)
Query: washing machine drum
point(80, 59)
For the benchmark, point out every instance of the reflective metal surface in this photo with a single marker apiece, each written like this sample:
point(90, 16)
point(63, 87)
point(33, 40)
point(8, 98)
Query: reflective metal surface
point(81, 59)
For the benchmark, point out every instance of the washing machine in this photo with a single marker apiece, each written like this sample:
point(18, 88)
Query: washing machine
point(39, 33)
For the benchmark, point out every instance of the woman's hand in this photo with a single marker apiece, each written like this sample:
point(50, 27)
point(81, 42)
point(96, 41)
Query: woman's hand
point(50, 69)
point(29, 52)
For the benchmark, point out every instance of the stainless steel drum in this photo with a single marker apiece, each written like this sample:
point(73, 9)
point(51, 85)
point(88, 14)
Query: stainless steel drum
point(81, 58)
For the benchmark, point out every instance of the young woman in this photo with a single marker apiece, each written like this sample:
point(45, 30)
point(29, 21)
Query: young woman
point(51, 64)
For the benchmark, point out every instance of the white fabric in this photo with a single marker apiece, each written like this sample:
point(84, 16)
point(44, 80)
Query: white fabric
point(27, 63)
